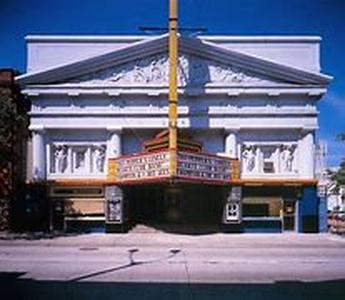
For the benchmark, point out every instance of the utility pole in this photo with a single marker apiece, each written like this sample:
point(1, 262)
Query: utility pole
point(173, 97)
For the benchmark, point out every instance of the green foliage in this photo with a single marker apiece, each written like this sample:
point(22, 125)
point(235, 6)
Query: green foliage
point(9, 120)
point(339, 176)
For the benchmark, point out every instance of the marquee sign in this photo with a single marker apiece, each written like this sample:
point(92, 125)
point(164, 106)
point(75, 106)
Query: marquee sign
point(144, 166)
point(202, 166)
point(155, 166)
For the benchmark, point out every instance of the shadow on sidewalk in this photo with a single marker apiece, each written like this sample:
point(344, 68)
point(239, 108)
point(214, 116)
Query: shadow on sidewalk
point(13, 287)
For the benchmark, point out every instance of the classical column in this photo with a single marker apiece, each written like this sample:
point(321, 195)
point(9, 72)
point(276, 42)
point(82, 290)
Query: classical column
point(114, 143)
point(38, 155)
point(115, 198)
point(306, 155)
point(231, 144)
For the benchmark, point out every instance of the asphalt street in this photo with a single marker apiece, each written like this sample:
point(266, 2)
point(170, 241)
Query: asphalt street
point(162, 265)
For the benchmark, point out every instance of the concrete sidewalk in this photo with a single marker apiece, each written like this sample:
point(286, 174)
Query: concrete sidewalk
point(214, 240)
point(161, 265)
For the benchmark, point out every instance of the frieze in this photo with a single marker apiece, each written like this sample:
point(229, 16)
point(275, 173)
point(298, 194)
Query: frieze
point(276, 159)
point(154, 70)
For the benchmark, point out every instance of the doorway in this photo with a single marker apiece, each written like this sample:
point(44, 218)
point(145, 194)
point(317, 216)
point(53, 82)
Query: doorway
point(193, 204)
point(289, 215)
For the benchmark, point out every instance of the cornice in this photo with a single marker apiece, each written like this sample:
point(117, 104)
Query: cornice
point(250, 62)
point(213, 38)
point(156, 91)
point(205, 49)
point(120, 56)
point(262, 38)
point(87, 38)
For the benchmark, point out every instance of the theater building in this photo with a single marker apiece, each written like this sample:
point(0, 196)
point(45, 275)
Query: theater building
point(247, 116)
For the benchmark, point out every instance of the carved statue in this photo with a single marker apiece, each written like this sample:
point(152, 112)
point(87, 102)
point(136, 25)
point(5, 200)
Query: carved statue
point(286, 157)
point(99, 158)
point(249, 156)
point(60, 156)
point(154, 70)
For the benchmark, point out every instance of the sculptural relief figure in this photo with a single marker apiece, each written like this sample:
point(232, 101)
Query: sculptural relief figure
point(139, 75)
point(192, 69)
point(60, 157)
point(158, 74)
point(286, 158)
point(182, 70)
point(249, 156)
point(99, 158)
point(117, 76)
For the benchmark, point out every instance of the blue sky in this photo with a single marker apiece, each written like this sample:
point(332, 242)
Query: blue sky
point(234, 17)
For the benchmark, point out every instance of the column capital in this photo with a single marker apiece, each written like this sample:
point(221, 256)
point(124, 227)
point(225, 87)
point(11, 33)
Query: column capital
point(231, 130)
point(306, 131)
point(114, 129)
point(37, 128)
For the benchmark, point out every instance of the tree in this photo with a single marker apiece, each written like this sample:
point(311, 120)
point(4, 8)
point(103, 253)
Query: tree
point(9, 119)
point(13, 123)
point(339, 176)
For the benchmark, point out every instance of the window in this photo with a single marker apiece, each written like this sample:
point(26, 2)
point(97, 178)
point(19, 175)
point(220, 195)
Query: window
point(256, 210)
point(262, 206)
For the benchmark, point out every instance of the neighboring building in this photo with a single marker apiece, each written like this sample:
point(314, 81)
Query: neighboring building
point(252, 99)
point(335, 193)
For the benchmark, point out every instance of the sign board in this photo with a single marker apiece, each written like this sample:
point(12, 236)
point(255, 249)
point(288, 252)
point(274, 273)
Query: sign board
point(114, 204)
point(232, 213)
point(194, 166)
point(232, 209)
point(145, 166)
point(201, 166)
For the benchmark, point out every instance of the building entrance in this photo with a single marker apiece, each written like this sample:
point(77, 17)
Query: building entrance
point(182, 204)
point(289, 214)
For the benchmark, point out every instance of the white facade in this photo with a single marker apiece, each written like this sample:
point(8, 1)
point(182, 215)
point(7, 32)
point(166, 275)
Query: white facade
point(252, 98)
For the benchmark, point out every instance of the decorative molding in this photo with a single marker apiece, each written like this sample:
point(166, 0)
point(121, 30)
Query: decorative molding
point(117, 91)
point(154, 70)
point(145, 48)
point(68, 160)
point(269, 159)
point(37, 128)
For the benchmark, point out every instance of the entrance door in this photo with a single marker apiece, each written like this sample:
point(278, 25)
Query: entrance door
point(289, 214)
point(194, 204)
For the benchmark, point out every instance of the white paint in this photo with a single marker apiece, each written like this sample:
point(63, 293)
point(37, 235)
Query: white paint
point(39, 155)
point(306, 155)
point(114, 144)
point(231, 144)
point(237, 94)
point(48, 51)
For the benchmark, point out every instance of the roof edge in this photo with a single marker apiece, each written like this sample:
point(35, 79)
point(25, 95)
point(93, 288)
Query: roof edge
point(88, 38)
point(215, 38)
point(263, 38)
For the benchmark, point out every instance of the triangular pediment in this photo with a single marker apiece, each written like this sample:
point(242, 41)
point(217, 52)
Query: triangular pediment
point(153, 70)
point(200, 64)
